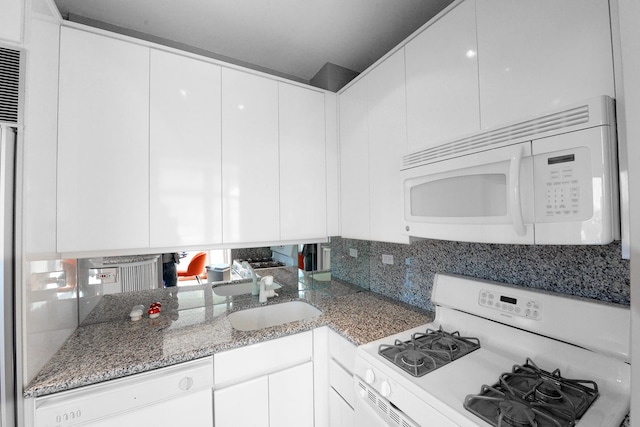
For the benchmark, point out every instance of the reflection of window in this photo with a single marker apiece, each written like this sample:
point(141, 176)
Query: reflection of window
point(216, 256)
point(220, 256)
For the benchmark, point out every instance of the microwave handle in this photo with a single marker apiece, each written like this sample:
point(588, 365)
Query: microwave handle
point(514, 190)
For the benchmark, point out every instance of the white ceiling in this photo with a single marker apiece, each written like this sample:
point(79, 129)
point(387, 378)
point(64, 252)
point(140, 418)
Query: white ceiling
point(291, 37)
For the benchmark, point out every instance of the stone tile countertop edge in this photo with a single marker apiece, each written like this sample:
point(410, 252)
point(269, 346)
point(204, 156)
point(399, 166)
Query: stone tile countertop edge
point(193, 324)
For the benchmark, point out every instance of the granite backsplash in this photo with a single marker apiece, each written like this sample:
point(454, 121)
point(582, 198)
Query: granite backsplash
point(596, 272)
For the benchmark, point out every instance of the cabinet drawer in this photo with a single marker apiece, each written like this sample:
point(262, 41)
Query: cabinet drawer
point(263, 358)
point(342, 350)
point(341, 381)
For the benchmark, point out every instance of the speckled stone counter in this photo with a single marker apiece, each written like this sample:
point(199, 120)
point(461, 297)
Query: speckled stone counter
point(193, 324)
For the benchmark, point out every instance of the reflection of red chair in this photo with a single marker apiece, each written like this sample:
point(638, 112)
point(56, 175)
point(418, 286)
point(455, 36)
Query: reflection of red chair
point(195, 268)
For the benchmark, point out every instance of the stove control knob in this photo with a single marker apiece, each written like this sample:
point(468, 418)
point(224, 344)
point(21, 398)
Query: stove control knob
point(369, 376)
point(385, 389)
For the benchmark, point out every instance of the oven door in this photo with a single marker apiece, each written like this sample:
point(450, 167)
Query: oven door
point(483, 197)
point(373, 410)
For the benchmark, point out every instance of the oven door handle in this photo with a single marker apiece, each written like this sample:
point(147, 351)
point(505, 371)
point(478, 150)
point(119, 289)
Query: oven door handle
point(515, 192)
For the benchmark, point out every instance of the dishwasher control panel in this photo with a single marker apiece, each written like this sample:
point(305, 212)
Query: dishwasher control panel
point(516, 306)
point(111, 402)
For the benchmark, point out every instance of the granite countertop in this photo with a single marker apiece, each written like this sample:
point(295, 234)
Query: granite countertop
point(193, 324)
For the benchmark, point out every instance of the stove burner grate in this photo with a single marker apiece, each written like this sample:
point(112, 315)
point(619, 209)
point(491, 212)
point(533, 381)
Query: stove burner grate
point(428, 351)
point(553, 400)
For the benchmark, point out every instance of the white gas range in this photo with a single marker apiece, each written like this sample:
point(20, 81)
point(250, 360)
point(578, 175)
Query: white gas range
point(499, 355)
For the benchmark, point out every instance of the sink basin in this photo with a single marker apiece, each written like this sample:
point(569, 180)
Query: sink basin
point(237, 289)
point(253, 319)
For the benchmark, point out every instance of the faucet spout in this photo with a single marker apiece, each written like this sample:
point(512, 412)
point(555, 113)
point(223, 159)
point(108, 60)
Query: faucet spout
point(266, 290)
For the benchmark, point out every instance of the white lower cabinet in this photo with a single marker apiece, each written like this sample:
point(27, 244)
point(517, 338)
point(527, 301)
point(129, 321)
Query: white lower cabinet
point(333, 363)
point(244, 404)
point(340, 413)
point(265, 384)
point(291, 397)
point(280, 399)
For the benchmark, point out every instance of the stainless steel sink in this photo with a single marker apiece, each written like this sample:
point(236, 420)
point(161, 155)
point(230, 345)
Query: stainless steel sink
point(237, 289)
point(266, 316)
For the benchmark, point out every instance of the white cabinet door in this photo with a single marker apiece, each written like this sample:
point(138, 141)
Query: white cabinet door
point(354, 162)
point(291, 397)
point(185, 152)
point(539, 55)
point(197, 408)
point(387, 145)
point(103, 144)
point(244, 404)
point(250, 184)
point(303, 184)
point(333, 164)
point(41, 139)
point(11, 20)
point(340, 413)
point(442, 79)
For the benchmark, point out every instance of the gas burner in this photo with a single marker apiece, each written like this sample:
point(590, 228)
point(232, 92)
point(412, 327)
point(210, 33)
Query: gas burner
point(516, 413)
point(554, 400)
point(446, 343)
point(427, 351)
point(548, 391)
point(413, 358)
point(452, 344)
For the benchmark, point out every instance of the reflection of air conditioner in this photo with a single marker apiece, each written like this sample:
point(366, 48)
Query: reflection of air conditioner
point(111, 275)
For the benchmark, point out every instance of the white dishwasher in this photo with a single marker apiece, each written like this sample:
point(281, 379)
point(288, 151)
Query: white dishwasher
point(166, 397)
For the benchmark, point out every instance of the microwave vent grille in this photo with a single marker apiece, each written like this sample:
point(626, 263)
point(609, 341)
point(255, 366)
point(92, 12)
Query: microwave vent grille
point(511, 134)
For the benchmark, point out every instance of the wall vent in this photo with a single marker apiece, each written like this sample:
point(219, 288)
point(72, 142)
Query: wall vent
point(554, 123)
point(9, 85)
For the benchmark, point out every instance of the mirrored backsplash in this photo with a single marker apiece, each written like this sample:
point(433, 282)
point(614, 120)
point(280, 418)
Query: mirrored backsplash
point(596, 272)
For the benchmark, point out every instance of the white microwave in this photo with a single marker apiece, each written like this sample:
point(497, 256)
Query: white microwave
point(548, 180)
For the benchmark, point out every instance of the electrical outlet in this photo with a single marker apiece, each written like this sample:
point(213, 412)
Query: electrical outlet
point(353, 252)
point(387, 259)
point(102, 276)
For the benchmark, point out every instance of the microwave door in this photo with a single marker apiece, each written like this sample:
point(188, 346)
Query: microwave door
point(484, 197)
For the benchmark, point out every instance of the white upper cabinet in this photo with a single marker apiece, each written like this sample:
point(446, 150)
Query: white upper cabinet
point(103, 144)
point(11, 20)
point(185, 152)
point(333, 164)
point(250, 175)
point(442, 79)
point(387, 145)
point(41, 137)
point(303, 184)
point(354, 164)
point(539, 55)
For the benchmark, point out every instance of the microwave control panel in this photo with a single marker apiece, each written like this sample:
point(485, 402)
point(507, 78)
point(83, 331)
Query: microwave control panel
point(523, 307)
point(563, 186)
